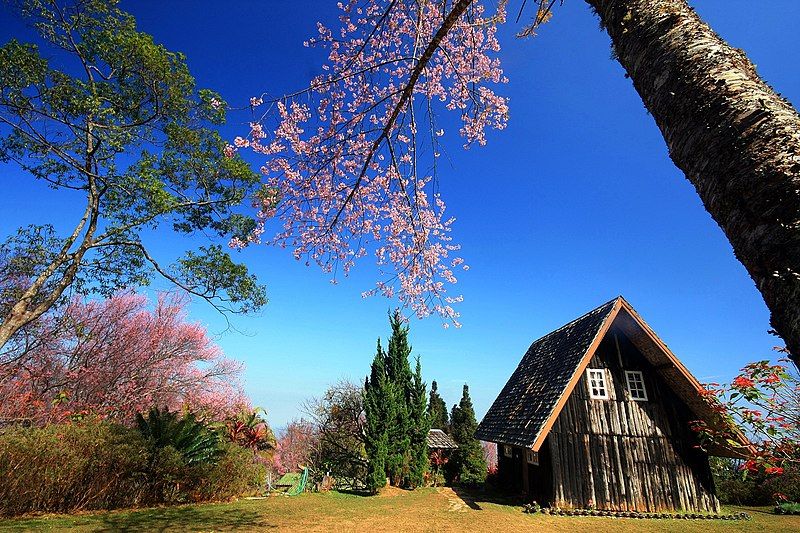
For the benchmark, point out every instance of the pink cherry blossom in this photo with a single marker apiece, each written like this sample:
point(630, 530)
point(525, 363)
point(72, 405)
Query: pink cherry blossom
point(350, 164)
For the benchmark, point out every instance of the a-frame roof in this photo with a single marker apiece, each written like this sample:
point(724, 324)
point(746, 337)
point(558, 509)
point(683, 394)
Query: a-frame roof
point(534, 395)
point(438, 439)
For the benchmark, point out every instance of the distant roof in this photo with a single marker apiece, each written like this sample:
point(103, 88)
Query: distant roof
point(534, 395)
point(439, 439)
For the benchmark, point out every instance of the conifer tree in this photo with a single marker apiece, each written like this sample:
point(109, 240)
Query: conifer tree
point(420, 426)
point(378, 410)
point(400, 388)
point(467, 465)
point(437, 410)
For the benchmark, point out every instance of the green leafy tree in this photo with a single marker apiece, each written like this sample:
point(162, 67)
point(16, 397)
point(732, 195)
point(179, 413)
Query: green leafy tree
point(437, 410)
point(104, 114)
point(467, 466)
point(378, 409)
point(420, 424)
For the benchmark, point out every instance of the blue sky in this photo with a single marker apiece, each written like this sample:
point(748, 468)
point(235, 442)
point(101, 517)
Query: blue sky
point(574, 203)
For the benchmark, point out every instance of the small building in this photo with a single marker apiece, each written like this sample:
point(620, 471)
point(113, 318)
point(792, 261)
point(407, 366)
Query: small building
point(597, 414)
point(440, 446)
point(439, 440)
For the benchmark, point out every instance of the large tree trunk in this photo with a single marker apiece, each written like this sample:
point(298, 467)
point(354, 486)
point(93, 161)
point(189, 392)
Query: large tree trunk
point(735, 139)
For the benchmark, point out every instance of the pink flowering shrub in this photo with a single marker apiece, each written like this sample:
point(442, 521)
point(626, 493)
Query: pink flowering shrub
point(351, 165)
point(296, 447)
point(113, 358)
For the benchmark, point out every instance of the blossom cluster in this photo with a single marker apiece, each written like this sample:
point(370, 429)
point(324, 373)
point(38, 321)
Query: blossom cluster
point(764, 401)
point(351, 161)
point(113, 358)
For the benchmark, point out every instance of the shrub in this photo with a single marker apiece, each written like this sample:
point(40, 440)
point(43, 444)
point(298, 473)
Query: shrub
point(66, 467)
point(100, 465)
point(234, 474)
point(737, 487)
point(786, 485)
point(787, 508)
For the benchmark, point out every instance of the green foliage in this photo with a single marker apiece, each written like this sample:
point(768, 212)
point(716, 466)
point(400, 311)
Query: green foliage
point(127, 130)
point(734, 487)
point(379, 410)
point(397, 421)
point(192, 440)
point(62, 468)
point(787, 508)
point(233, 475)
point(98, 465)
point(399, 378)
point(420, 424)
point(437, 410)
point(467, 464)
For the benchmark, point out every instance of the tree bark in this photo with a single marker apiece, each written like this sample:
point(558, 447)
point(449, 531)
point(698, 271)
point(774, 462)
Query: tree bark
point(736, 140)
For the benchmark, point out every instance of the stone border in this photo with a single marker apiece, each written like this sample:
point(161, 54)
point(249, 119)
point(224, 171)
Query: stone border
point(530, 508)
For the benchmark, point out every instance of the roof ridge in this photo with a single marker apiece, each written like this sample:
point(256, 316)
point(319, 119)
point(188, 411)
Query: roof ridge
point(571, 322)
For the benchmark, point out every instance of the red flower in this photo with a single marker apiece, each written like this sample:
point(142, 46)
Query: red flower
point(743, 382)
point(774, 470)
point(749, 465)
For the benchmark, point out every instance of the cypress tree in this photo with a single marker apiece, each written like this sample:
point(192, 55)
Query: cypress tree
point(419, 435)
point(400, 389)
point(437, 410)
point(467, 465)
point(378, 412)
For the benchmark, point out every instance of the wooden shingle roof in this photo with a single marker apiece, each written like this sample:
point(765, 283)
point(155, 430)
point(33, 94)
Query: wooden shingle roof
point(531, 400)
point(523, 407)
point(440, 440)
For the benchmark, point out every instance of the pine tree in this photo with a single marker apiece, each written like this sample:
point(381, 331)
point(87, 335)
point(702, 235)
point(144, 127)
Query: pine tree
point(467, 465)
point(437, 410)
point(419, 436)
point(378, 408)
point(399, 377)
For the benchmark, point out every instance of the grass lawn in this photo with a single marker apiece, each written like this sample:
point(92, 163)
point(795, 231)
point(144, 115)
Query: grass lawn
point(421, 510)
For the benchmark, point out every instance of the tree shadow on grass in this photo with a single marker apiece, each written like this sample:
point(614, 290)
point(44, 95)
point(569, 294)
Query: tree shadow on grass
point(183, 519)
point(473, 497)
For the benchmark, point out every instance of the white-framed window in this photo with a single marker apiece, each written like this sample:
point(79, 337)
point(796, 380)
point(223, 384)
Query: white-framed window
point(635, 382)
point(598, 385)
point(532, 457)
point(507, 451)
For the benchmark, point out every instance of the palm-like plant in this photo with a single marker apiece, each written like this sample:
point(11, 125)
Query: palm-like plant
point(249, 429)
point(193, 440)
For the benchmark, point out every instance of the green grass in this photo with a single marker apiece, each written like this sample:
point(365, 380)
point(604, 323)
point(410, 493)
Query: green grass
point(421, 510)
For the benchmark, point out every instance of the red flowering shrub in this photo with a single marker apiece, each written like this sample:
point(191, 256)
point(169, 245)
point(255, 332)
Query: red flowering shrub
point(764, 401)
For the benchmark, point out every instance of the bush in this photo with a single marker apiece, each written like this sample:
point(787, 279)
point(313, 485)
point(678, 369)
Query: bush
point(234, 474)
point(754, 489)
point(66, 467)
point(787, 508)
point(785, 486)
point(100, 465)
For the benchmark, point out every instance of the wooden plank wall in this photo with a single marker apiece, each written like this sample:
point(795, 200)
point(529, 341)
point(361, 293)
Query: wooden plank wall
point(624, 454)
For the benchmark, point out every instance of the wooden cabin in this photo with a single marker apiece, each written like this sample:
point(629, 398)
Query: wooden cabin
point(597, 415)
